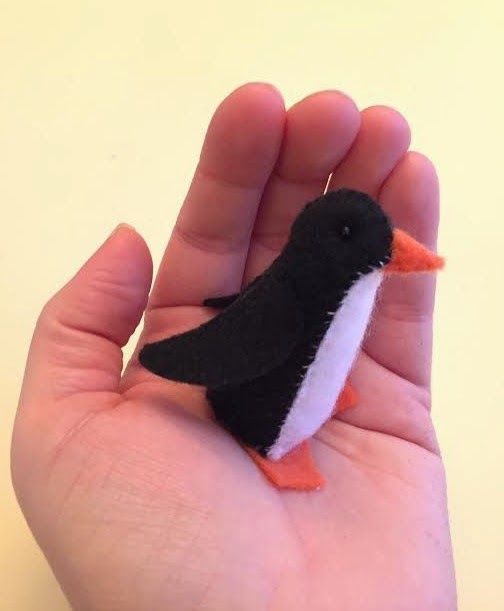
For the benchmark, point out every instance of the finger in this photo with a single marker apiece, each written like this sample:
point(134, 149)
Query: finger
point(76, 346)
point(400, 336)
point(383, 139)
point(207, 250)
point(319, 131)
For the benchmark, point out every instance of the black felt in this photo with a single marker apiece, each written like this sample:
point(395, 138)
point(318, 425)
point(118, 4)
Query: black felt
point(221, 303)
point(252, 336)
point(254, 354)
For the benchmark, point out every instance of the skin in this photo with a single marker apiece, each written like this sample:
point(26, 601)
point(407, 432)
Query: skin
point(138, 499)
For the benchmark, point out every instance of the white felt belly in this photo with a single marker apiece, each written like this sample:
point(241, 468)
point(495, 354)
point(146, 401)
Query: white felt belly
point(327, 374)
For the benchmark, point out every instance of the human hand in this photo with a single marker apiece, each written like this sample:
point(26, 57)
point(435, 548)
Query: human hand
point(138, 499)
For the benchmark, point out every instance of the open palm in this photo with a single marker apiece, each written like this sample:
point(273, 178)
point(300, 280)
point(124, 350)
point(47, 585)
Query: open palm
point(138, 499)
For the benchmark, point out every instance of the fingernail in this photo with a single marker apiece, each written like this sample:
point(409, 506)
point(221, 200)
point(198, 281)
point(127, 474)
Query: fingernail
point(122, 226)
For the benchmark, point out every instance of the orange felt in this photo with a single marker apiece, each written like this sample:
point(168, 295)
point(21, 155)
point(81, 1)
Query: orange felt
point(295, 471)
point(408, 255)
point(348, 398)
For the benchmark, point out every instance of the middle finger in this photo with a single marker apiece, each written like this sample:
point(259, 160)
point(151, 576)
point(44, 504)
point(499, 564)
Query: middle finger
point(319, 131)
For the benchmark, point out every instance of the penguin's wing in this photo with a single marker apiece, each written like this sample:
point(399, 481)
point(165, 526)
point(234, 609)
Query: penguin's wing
point(221, 303)
point(252, 336)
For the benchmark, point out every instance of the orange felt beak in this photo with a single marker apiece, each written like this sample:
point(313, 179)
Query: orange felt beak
point(408, 255)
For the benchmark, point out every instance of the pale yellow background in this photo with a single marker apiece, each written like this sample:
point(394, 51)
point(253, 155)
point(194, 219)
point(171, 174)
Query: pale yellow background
point(103, 105)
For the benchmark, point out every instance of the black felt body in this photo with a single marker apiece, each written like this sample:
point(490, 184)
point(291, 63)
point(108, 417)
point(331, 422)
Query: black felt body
point(255, 409)
point(252, 357)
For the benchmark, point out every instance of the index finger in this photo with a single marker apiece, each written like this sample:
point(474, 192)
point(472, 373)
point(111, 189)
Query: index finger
point(207, 250)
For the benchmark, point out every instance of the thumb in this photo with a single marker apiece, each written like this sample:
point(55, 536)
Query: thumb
point(77, 342)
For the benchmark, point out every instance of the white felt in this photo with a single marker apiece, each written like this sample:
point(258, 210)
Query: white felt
point(328, 372)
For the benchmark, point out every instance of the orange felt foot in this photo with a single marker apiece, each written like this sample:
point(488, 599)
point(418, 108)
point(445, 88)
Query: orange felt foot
point(348, 398)
point(296, 470)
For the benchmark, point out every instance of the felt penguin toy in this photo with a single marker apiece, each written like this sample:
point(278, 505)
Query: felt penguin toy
point(275, 360)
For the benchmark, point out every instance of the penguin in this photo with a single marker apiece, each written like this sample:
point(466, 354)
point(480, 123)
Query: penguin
point(276, 357)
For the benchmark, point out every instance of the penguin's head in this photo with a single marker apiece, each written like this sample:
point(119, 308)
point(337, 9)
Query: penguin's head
point(348, 233)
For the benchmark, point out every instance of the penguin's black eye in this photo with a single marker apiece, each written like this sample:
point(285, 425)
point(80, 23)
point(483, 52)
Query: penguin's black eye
point(345, 232)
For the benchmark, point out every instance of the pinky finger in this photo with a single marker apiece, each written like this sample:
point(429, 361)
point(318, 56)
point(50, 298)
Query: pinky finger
point(400, 336)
